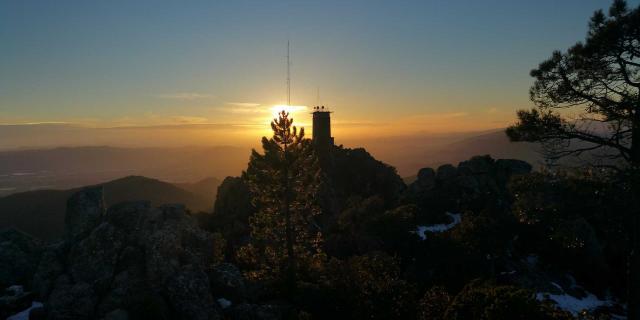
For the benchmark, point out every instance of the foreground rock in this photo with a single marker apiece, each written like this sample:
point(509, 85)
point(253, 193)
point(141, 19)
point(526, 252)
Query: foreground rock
point(131, 261)
point(14, 300)
point(19, 255)
point(473, 184)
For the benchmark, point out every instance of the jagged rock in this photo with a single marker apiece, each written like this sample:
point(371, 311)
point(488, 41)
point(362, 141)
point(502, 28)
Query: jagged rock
point(446, 172)
point(427, 178)
point(511, 167)
point(227, 281)
point(37, 313)
point(117, 314)
point(19, 254)
point(51, 266)
point(466, 187)
point(70, 300)
point(14, 300)
point(132, 261)
point(476, 165)
point(84, 210)
point(246, 311)
point(189, 295)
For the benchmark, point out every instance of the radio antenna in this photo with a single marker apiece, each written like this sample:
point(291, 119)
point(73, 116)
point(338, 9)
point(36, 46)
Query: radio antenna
point(288, 75)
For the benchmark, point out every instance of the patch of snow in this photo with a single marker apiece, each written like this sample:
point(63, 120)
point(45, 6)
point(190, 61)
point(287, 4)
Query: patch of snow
point(504, 273)
point(224, 303)
point(572, 304)
point(422, 230)
point(557, 286)
point(15, 289)
point(532, 260)
point(24, 314)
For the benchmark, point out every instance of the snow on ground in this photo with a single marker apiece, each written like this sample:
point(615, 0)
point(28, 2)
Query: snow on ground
point(572, 304)
point(224, 303)
point(24, 314)
point(422, 230)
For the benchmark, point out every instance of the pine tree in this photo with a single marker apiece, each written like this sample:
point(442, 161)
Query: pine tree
point(285, 181)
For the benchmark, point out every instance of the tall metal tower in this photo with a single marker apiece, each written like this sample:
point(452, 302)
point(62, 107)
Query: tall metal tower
point(288, 75)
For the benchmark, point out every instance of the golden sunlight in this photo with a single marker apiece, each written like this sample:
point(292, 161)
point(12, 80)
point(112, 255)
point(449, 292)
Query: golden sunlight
point(292, 110)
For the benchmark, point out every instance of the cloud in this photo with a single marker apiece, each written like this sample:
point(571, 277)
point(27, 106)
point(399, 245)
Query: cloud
point(38, 123)
point(243, 104)
point(189, 120)
point(436, 116)
point(190, 96)
point(492, 110)
point(246, 108)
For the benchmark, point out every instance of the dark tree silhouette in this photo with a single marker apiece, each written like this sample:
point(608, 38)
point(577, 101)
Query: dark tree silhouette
point(601, 77)
point(285, 181)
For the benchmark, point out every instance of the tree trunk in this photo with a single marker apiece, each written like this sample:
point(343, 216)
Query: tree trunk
point(291, 266)
point(633, 269)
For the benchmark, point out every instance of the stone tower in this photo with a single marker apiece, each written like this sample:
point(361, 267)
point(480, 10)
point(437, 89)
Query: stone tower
point(322, 139)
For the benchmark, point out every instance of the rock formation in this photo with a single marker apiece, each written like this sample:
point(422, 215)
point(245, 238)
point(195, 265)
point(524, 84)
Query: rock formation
point(131, 260)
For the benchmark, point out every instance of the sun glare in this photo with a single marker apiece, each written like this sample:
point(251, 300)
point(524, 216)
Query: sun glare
point(292, 110)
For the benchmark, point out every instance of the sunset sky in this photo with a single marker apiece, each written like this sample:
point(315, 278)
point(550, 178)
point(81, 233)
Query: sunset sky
point(218, 67)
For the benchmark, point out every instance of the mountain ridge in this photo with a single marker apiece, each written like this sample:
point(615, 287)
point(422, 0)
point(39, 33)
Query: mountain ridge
point(48, 206)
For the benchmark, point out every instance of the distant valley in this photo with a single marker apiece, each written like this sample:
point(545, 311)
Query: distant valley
point(72, 167)
point(41, 212)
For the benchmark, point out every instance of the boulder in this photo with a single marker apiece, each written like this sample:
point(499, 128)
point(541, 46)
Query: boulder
point(84, 210)
point(14, 300)
point(427, 178)
point(19, 255)
point(117, 314)
point(132, 261)
point(476, 165)
point(446, 172)
point(227, 281)
point(50, 267)
point(189, 294)
point(466, 187)
point(510, 167)
point(246, 311)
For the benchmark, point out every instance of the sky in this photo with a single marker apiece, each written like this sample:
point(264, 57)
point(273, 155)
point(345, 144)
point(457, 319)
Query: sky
point(218, 68)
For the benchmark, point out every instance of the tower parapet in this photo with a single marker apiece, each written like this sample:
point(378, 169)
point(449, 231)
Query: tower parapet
point(322, 139)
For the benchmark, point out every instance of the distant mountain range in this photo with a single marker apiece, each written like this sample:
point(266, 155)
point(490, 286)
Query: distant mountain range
point(71, 167)
point(411, 153)
point(41, 212)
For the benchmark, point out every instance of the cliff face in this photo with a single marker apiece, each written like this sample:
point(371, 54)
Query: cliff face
point(131, 259)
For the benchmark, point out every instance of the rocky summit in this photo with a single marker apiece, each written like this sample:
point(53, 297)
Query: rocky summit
point(128, 261)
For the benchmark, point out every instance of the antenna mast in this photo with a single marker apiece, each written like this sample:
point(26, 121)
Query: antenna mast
point(288, 76)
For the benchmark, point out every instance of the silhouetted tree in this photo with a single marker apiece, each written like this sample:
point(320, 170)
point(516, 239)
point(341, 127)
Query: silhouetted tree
point(479, 300)
point(602, 77)
point(285, 181)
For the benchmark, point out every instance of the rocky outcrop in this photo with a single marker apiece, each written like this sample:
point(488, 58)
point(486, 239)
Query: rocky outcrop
point(227, 282)
point(246, 311)
point(14, 300)
point(19, 255)
point(131, 261)
point(84, 211)
point(470, 185)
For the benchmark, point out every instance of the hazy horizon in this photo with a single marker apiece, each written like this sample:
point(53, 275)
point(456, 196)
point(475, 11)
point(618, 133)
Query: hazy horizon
point(54, 135)
point(216, 71)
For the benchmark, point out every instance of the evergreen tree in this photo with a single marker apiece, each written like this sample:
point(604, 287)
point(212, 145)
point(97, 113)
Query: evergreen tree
point(285, 181)
point(601, 77)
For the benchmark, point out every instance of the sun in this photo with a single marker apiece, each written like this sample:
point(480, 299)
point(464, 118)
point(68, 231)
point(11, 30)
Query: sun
point(292, 110)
